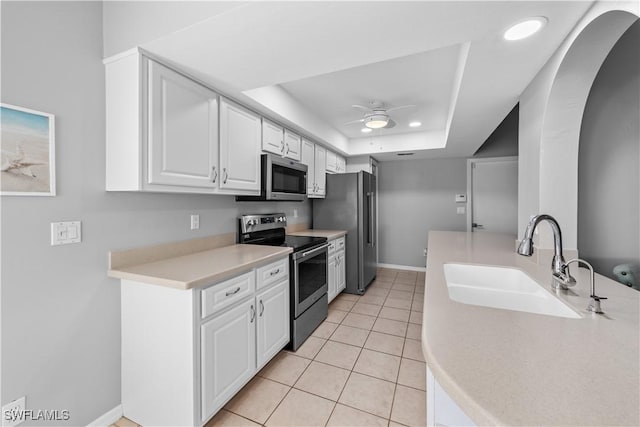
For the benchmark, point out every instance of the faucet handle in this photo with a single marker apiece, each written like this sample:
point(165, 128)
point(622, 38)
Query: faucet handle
point(594, 305)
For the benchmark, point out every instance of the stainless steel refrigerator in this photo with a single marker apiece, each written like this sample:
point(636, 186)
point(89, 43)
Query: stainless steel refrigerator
point(350, 204)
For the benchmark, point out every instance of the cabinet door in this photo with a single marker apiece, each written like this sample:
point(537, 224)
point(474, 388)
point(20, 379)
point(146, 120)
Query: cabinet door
point(228, 355)
point(320, 173)
point(332, 278)
point(308, 158)
point(341, 272)
point(341, 164)
point(291, 145)
point(331, 164)
point(272, 138)
point(183, 130)
point(273, 321)
point(240, 143)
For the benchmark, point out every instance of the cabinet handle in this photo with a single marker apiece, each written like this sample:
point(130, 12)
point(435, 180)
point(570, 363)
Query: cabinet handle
point(273, 273)
point(214, 172)
point(282, 147)
point(253, 313)
point(226, 175)
point(233, 292)
point(261, 308)
point(287, 148)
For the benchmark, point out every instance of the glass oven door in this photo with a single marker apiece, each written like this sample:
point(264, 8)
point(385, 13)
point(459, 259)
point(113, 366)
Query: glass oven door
point(310, 277)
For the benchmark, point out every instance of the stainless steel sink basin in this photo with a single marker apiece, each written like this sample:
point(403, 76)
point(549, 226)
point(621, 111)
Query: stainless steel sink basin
point(502, 287)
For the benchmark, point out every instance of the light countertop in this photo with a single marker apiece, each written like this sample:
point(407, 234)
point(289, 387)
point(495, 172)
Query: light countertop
point(329, 234)
point(201, 268)
point(506, 367)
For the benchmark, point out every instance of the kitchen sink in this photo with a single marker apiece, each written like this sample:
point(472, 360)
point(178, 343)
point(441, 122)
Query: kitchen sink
point(502, 287)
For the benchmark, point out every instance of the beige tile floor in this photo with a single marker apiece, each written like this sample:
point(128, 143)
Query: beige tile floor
point(362, 367)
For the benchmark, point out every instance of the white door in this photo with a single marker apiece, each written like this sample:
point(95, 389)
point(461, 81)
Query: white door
point(307, 157)
point(273, 321)
point(240, 143)
point(320, 173)
point(228, 355)
point(291, 145)
point(183, 130)
point(494, 195)
point(272, 140)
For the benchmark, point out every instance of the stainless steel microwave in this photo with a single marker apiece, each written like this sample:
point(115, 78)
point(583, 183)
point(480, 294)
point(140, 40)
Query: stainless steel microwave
point(281, 180)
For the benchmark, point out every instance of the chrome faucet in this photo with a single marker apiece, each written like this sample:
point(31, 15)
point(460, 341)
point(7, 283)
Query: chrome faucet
point(562, 279)
point(594, 304)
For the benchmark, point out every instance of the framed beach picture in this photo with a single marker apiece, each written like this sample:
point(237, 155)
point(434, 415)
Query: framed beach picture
point(28, 152)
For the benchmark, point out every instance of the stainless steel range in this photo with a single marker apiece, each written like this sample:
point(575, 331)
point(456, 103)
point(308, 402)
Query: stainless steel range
point(307, 268)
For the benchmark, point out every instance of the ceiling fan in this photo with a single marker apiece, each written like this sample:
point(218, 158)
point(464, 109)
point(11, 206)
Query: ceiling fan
point(377, 115)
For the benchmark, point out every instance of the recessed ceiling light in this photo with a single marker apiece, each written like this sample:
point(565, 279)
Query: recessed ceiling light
point(525, 28)
point(366, 130)
point(415, 124)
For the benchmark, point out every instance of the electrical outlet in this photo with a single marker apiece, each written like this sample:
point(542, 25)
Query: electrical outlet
point(424, 252)
point(295, 213)
point(13, 413)
point(460, 210)
point(195, 221)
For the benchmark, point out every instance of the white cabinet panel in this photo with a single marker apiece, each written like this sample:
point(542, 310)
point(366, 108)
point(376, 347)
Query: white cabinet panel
point(183, 123)
point(307, 157)
point(240, 142)
point(291, 145)
point(341, 280)
point(331, 165)
point(226, 293)
point(332, 278)
point(228, 355)
point(272, 137)
point(341, 164)
point(273, 321)
point(320, 173)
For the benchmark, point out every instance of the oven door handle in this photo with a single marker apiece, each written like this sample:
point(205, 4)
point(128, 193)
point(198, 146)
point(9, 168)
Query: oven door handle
point(311, 252)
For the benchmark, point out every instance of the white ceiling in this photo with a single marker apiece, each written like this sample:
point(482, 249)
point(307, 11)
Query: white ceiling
point(305, 63)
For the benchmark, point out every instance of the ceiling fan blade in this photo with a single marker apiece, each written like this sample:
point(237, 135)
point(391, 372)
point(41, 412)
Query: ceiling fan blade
point(354, 121)
point(361, 107)
point(401, 107)
point(390, 124)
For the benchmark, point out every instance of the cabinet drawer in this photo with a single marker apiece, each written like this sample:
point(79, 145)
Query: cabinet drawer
point(222, 295)
point(340, 244)
point(332, 247)
point(272, 273)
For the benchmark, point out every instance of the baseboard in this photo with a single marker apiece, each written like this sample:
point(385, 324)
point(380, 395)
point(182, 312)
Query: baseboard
point(107, 419)
point(402, 267)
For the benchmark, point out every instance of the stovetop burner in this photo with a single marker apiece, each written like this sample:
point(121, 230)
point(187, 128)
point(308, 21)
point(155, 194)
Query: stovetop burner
point(269, 229)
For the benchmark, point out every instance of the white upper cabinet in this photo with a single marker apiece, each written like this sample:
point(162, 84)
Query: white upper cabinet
point(163, 131)
point(272, 137)
point(292, 144)
point(308, 156)
point(341, 164)
point(240, 142)
point(183, 148)
point(320, 174)
point(331, 164)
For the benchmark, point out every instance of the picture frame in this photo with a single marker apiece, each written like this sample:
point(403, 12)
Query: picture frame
point(27, 147)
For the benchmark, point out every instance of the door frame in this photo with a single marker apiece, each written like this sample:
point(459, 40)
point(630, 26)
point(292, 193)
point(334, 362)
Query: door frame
point(470, 165)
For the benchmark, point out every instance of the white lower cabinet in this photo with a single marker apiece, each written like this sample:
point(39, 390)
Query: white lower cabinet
point(186, 353)
point(273, 322)
point(336, 268)
point(228, 355)
point(442, 410)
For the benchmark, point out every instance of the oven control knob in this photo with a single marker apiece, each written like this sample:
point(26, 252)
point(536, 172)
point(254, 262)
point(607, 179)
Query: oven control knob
point(281, 219)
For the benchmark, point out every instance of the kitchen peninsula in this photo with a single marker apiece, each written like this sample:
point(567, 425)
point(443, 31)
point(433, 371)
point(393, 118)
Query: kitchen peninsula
point(504, 367)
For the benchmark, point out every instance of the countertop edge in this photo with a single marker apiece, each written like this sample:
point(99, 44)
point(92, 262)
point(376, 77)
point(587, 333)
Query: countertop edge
point(123, 274)
point(329, 234)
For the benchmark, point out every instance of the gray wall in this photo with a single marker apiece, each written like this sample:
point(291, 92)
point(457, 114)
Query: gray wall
point(417, 196)
point(60, 313)
point(609, 161)
point(503, 141)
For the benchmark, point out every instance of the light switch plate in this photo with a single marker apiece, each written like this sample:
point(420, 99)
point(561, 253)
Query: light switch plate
point(460, 210)
point(66, 232)
point(461, 198)
point(195, 221)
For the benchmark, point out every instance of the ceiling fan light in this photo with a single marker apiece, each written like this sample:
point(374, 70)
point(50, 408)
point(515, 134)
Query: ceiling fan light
point(376, 121)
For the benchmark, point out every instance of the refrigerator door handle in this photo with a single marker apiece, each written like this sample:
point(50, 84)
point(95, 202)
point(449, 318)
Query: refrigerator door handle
point(372, 219)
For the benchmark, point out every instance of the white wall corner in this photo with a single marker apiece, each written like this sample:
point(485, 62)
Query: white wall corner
point(108, 418)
